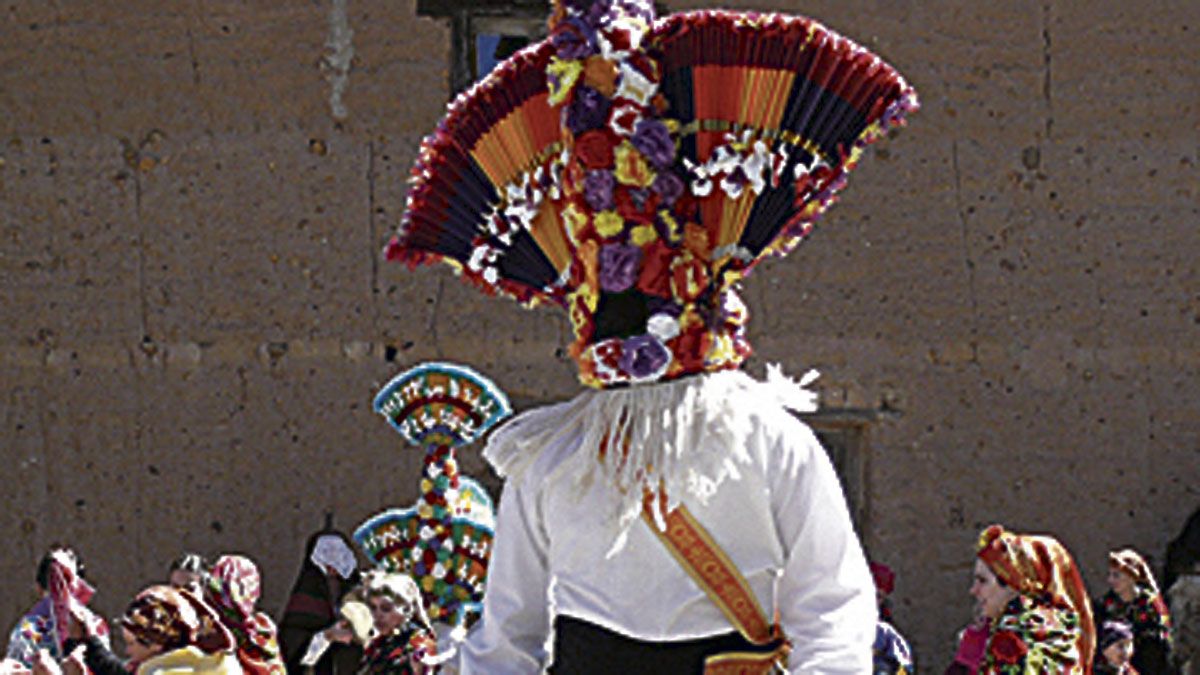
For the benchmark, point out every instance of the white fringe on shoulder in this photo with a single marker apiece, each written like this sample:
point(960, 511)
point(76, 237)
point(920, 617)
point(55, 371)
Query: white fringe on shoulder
point(666, 426)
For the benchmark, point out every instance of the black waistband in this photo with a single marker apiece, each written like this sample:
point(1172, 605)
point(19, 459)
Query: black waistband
point(582, 648)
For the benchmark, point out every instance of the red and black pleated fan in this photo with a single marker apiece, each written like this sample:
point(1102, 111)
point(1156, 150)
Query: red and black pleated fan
point(501, 128)
point(789, 81)
point(792, 83)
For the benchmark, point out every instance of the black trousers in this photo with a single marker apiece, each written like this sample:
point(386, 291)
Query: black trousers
point(582, 648)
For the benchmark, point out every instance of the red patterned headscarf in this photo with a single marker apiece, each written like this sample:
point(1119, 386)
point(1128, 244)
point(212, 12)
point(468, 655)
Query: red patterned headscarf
point(174, 618)
point(1039, 566)
point(69, 593)
point(233, 589)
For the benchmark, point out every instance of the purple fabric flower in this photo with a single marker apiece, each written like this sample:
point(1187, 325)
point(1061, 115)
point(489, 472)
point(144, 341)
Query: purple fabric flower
point(644, 356)
point(588, 110)
point(619, 266)
point(598, 190)
point(573, 39)
point(669, 186)
point(653, 139)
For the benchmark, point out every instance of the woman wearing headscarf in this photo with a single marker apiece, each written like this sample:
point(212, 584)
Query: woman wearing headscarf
point(404, 641)
point(329, 572)
point(233, 589)
point(166, 631)
point(1133, 598)
point(1030, 590)
point(65, 593)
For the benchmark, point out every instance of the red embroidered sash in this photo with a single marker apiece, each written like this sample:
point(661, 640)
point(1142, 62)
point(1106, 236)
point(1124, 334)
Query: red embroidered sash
point(704, 560)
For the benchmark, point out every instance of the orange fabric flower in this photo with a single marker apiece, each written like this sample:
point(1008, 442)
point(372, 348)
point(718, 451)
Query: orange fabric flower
point(600, 74)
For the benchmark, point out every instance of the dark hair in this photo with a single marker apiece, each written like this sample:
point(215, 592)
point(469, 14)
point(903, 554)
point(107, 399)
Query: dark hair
point(43, 568)
point(189, 562)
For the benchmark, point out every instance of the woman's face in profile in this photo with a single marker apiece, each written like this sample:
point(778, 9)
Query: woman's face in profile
point(1120, 582)
point(990, 595)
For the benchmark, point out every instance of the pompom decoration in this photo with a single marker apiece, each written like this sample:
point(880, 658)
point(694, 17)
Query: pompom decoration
point(444, 540)
point(633, 171)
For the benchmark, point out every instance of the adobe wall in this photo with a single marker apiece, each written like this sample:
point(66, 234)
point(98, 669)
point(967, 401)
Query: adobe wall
point(196, 313)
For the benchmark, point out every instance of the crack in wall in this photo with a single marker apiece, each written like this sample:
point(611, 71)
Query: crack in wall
point(434, 312)
point(373, 238)
point(1048, 72)
point(192, 56)
point(964, 229)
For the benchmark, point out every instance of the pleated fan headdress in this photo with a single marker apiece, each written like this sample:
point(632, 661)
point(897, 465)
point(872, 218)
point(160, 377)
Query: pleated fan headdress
point(634, 170)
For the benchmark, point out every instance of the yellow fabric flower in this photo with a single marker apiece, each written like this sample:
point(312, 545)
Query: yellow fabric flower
point(642, 235)
point(609, 223)
point(672, 226)
point(565, 75)
point(632, 168)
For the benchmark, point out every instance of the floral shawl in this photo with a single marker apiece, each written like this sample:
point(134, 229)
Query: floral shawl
point(1033, 637)
point(391, 654)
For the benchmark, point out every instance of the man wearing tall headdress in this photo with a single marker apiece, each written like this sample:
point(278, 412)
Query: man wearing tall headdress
point(678, 517)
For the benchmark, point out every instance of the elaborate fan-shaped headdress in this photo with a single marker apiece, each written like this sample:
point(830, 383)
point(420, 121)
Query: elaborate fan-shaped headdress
point(633, 170)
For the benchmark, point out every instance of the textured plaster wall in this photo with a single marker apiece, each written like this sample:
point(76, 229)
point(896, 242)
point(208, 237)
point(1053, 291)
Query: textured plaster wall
point(193, 197)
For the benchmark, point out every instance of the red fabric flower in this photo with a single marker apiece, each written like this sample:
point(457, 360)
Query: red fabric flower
point(1007, 647)
point(608, 353)
point(620, 37)
point(627, 205)
point(686, 208)
point(690, 349)
point(655, 277)
point(595, 149)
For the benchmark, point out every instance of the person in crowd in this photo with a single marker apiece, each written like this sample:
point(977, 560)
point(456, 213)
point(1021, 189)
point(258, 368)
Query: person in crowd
point(404, 641)
point(891, 652)
point(1030, 590)
point(1184, 596)
point(1133, 598)
point(972, 641)
point(166, 631)
point(187, 571)
point(329, 572)
point(232, 589)
point(1114, 648)
point(64, 591)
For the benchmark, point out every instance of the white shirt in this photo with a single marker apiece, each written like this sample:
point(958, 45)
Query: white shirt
point(780, 517)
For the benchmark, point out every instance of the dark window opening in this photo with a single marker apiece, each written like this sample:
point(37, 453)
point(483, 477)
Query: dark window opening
point(486, 32)
point(843, 433)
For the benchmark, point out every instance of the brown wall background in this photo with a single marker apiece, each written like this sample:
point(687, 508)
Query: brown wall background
point(196, 313)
